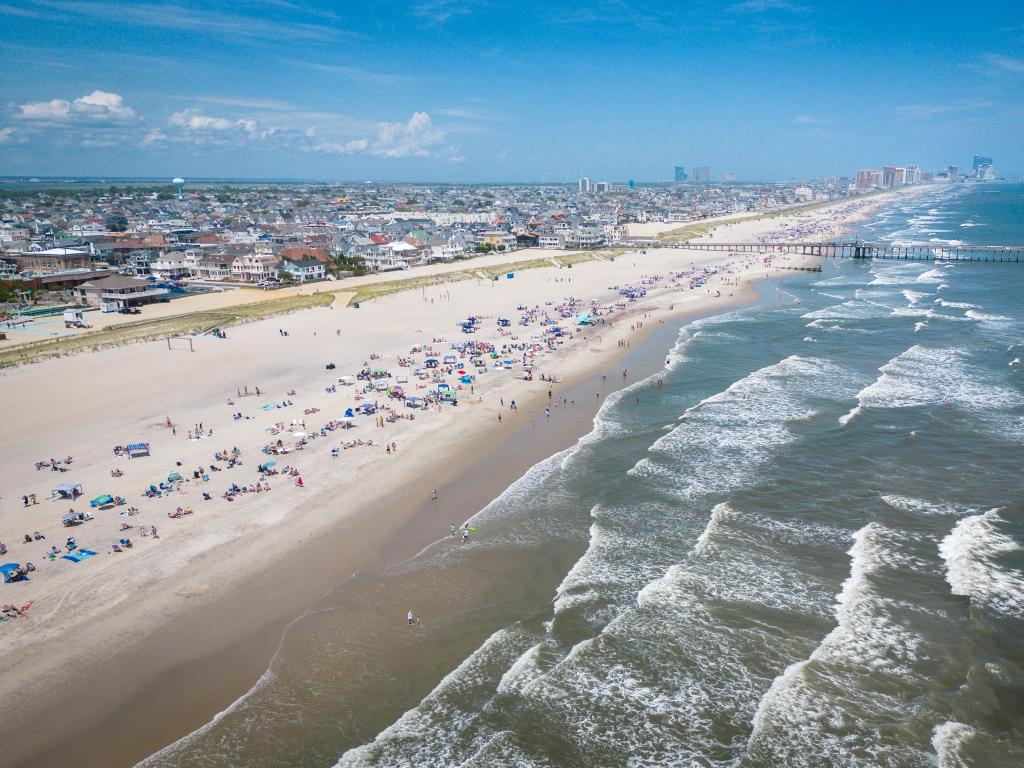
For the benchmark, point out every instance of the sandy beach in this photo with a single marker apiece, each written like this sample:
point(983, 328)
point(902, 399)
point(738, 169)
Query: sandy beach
point(197, 612)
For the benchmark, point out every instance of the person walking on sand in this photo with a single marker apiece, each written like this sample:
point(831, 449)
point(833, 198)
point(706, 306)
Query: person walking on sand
point(433, 495)
point(410, 617)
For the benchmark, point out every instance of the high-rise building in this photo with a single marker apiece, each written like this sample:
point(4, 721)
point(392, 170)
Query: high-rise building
point(979, 161)
point(701, 175)
point(602, 187)
point(585, 184)
point(954, 173)
point(913, 175)
point(680, 175)
point(730, 176)
point(869, 178)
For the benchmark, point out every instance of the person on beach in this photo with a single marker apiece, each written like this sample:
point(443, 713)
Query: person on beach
point(452, 528)
point(410, 617)
point(433, 495)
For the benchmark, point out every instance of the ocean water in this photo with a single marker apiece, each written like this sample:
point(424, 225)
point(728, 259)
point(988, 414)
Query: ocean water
point(800, 544)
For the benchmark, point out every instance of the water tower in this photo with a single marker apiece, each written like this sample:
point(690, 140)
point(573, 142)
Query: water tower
point(178, 182)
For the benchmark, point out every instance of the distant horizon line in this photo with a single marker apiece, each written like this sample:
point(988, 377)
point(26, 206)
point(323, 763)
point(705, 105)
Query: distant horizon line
point(39, 178)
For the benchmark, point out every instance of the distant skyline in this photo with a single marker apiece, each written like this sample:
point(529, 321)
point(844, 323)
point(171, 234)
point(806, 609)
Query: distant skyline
point(458, 91)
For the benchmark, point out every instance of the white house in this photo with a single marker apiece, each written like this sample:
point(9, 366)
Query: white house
point(551, 241)
point(303, 270)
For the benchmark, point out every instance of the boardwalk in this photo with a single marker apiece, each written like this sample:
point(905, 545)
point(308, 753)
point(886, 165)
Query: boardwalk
point(862, 250)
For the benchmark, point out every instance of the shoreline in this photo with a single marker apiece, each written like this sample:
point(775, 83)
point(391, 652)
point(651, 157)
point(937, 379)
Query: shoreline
point(138, 726)
point(204, 634)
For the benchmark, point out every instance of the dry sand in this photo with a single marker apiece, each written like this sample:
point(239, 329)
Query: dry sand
point(102, 634)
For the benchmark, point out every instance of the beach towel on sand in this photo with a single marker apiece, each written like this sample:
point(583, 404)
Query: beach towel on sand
point(78, 555)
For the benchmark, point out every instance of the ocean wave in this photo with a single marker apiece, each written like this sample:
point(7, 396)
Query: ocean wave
point(984, 317)
point(934, 275)
point(913, 297)
point(972, 553)
point(823, 710)
point(923, 376)
point(923, 507)
point(948, 740)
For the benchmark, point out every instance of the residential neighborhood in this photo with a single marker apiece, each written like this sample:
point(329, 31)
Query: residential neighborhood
point(267, 235)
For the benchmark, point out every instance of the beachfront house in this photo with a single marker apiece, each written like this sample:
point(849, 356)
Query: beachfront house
point(497, 238)
point(115, 293)
point(384, 260)
point(551, 241)
point(172, 265)
point(214, 267)
point(584, 237)
point(253, 267)
point(444, 250)
point(303, 270)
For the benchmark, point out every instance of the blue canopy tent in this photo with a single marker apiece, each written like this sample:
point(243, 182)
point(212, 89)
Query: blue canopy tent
point(349, 413)
point(136, 450)
point(12, 572)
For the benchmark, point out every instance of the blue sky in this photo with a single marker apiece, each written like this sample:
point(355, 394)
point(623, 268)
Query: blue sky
point(453, 90)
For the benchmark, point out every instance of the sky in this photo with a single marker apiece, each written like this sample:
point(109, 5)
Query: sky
point(488, 91)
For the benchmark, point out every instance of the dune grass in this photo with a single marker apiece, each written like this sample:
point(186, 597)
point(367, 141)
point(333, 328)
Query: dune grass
point(159, 328)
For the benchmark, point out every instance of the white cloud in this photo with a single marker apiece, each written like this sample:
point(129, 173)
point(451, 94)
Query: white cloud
point(154, 136)
point(807, 120)
point(762, 6)
point(1006, 63)
point(413, 138)
point(416, 137)
point(440, 11)
point(98, 106)
point(6, 135)
point(927, 111)
point(193, 120)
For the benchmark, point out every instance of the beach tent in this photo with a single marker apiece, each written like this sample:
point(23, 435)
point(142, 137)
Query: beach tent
point(78, 555)
point(402, 378)
point(174, 477)
point(348, 381)
point(68, 490)
point(12, 572)
point(135, 450)
point(102, 501)
point(414, 402)
point(348, 413)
